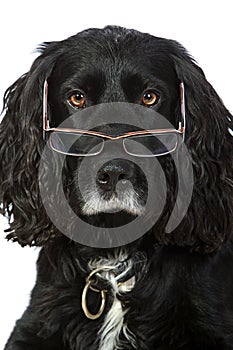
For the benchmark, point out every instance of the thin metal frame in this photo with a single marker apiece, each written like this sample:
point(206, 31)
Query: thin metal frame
point(181, 129)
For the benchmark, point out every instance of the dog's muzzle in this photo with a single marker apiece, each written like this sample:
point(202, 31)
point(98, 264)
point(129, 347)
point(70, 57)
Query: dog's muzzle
point(118, 187)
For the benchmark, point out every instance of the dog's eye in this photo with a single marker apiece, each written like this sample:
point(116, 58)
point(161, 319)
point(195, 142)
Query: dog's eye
point(77, 100)
point(150, 98)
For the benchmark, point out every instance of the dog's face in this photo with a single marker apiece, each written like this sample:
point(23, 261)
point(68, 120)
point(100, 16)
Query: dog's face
point(92, 70)
point(101, 69)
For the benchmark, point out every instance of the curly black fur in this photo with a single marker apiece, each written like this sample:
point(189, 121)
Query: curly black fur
point(183, 293)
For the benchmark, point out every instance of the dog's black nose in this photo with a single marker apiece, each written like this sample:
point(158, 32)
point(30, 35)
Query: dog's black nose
point(114, 171)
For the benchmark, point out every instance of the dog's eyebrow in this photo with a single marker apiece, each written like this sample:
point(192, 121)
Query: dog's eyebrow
point(84, 81)
point(136, 83)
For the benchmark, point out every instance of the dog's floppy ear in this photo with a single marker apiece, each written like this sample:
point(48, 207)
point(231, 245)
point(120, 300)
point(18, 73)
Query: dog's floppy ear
point(209, 219)
point(21, 145)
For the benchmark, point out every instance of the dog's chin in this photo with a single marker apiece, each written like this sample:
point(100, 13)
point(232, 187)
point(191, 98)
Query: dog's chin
point(109, 220)
point(113, 212)
point(114, 205)
point(128, 201)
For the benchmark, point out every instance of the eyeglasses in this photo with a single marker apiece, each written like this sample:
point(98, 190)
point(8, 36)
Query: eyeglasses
point(142, 143)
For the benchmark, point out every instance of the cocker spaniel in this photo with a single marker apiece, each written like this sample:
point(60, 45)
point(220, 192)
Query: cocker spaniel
point(136, 117)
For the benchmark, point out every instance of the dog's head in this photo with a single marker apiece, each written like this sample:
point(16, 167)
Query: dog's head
point(94, 71)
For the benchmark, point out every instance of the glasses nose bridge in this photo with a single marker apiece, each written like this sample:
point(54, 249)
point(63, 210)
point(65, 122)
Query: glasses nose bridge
point(113, 145)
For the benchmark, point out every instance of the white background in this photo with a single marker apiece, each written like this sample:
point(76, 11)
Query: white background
point(203, 27)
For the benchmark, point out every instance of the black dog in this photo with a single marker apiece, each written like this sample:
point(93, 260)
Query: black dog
point(165, 290)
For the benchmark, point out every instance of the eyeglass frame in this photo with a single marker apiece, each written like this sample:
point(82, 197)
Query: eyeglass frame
point(181, 128)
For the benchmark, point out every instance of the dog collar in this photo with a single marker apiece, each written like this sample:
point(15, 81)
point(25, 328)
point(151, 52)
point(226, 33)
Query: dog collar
point(91, 282)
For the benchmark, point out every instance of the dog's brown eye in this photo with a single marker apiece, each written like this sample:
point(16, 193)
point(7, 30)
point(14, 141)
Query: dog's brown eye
point(149, 98)
point(77, 100)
